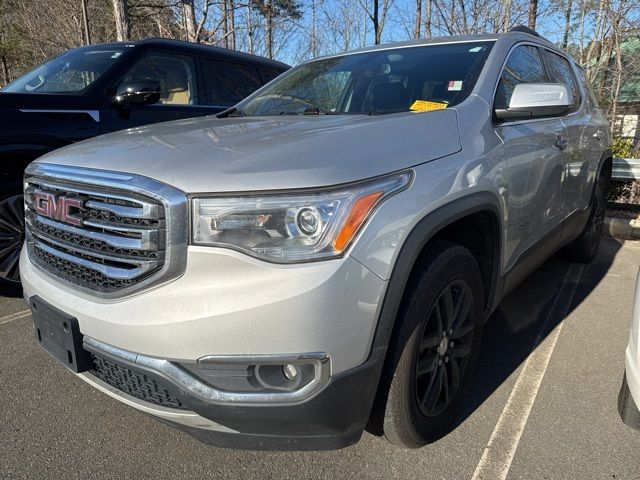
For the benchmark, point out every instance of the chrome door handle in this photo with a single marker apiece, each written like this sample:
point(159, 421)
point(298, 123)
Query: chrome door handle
point(561, 143)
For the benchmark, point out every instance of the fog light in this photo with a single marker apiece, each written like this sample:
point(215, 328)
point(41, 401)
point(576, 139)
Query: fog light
point(290, 371)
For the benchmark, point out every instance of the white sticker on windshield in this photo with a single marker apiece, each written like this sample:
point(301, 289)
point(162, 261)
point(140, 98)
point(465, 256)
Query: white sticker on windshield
point(116, 55)
point(455, 85)
point(475, 49)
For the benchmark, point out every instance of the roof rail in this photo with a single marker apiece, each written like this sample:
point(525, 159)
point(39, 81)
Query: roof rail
point(525, 29)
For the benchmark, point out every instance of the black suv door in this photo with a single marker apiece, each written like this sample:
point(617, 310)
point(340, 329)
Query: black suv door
point(180, 95)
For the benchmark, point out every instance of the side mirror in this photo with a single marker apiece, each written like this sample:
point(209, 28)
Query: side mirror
point(537, 100)
point(142, 92)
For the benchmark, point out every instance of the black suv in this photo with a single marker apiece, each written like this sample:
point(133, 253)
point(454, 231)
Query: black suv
point(98, 89)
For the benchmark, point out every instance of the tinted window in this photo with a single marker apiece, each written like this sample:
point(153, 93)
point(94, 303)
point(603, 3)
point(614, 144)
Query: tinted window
point(228, 83)
point(523, 66)
point(560, 72)
point(71, 72)
point(375, 82)
point(176, 74)
point(269, 74)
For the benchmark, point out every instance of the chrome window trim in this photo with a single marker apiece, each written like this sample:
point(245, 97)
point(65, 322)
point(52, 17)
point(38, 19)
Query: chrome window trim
point(176, 216)
point(193, 386)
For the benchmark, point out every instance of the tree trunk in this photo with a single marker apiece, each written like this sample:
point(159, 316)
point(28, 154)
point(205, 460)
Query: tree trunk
point(250, 28)
point(232, 25)
point(121, 15)
point(506, 19)
point(427, 19)
point(418, 28)
point(5, 70)
point(618, 82)
point(533, 13)
point(189, 13)
point(314, 31)
point(376, 21)
point(269, 16)
point(595, 42)
point(225, 22)
point(85, 23)
point(567, 24)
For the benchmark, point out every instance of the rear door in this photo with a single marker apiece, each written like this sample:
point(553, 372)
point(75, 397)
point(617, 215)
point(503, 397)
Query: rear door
point(535, 159)
point(582, 131)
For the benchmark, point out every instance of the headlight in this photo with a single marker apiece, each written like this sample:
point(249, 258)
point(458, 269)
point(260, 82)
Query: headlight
point(293, 227)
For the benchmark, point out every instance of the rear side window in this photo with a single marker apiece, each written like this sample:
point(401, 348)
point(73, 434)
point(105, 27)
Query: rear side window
point(560, 72)
point(523, 66)
point(228, 83)
point(588, 88)
point(269, 74)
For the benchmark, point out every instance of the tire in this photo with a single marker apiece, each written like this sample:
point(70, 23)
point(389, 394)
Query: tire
point(585, 247)
point(418, 393)
point(11, 236)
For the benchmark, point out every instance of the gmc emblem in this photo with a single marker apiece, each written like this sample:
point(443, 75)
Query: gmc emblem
point(58, 208)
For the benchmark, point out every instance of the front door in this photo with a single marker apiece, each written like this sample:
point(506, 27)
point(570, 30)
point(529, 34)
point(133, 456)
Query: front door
point(534, 154)
point(179, 97)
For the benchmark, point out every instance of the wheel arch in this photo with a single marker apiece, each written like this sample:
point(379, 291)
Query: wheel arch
point(435, 225)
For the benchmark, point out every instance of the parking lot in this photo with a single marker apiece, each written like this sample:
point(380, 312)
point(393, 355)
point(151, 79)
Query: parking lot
point(542, 405)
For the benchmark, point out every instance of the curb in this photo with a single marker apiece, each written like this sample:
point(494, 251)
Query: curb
point(622, 228)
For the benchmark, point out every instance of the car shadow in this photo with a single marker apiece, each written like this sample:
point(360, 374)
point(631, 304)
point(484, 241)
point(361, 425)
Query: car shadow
point(523, 319)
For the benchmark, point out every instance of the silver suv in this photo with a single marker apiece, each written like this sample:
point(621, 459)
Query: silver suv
point(323, 256)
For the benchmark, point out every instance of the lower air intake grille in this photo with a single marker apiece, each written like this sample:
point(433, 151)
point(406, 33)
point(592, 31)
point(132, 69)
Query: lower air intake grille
point(137, 385)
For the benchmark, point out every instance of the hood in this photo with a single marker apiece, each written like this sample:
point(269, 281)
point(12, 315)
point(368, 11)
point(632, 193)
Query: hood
point(269, 153)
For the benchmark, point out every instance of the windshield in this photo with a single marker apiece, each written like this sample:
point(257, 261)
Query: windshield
point(377, 82)
point(71, 72)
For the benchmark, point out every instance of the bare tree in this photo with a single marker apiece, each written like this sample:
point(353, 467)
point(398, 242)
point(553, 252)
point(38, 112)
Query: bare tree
point(121, 16)
point(189, 19)
point(533, 13)
point(85, 23)
point(273, 10)
point(418, 29)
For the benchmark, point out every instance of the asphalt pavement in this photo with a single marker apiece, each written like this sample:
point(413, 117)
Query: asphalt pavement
point(542, 404)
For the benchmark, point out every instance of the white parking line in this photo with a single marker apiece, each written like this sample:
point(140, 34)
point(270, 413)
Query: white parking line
point(15, 316)
point(498, 454)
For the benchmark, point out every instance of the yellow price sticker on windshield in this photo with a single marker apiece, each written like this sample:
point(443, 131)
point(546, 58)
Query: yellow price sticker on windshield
point(425, 106)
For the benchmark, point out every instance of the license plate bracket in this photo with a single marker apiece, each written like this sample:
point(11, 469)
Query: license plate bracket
point(59, 334)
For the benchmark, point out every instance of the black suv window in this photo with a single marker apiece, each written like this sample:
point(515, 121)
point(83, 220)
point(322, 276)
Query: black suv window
point(228, 83)
point(523, 66)
point(560, 72)
point(269, 74)
point(176, 74)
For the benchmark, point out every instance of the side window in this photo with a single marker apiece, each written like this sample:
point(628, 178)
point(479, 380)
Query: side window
point(560, 72)
point(588, 88)
point(176, 74)
point(228, 83)
point(523, 66)
point(269, 74)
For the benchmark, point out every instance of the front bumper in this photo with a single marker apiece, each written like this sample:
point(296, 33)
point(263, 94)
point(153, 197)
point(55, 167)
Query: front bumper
point(229, 305)
point(334, 418)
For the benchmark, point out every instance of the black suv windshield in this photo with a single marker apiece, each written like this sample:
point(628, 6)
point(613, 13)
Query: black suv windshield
point(71, 72)
point(394, 80)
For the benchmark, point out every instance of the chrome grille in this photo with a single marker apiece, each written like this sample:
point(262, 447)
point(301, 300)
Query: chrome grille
point(111, 240)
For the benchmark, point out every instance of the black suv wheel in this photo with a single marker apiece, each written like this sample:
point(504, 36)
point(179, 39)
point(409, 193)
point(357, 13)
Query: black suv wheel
point(11, 237)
